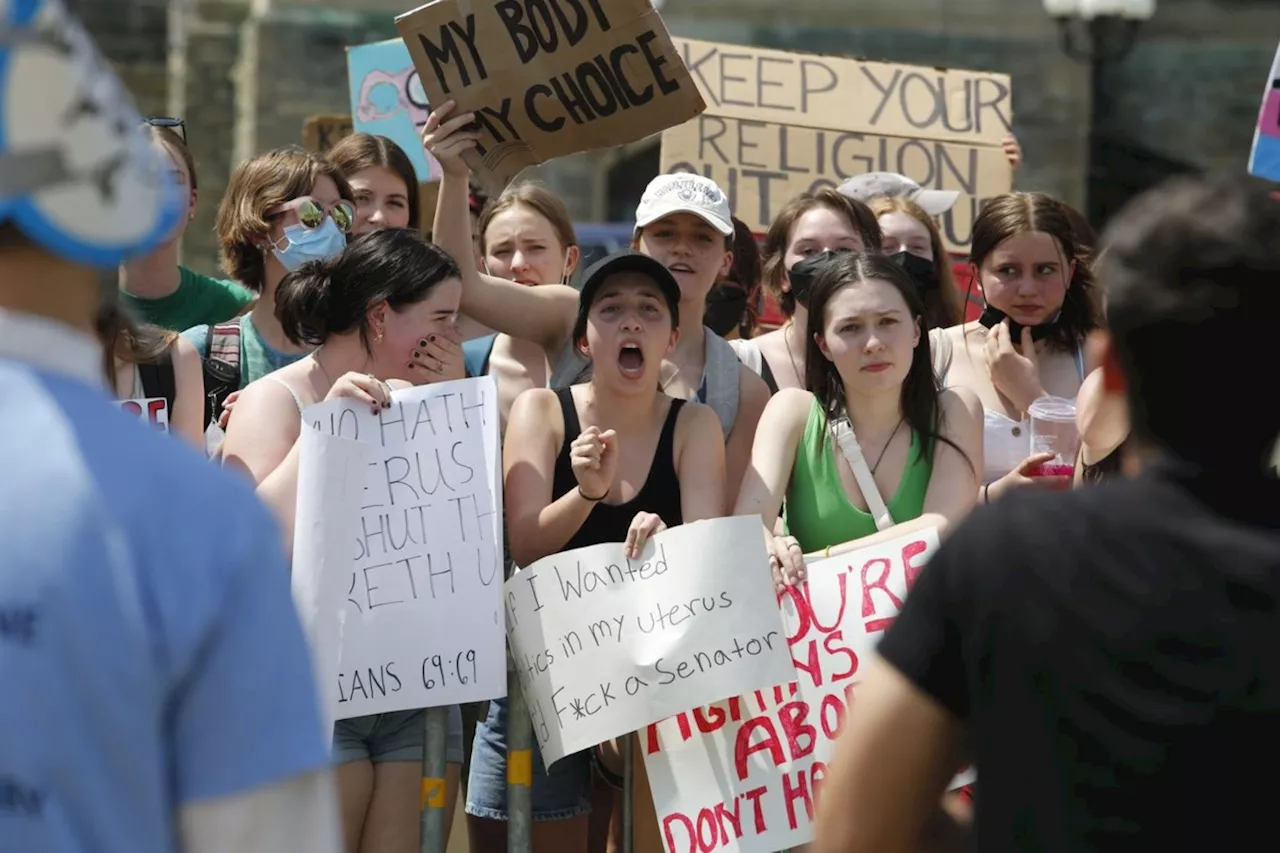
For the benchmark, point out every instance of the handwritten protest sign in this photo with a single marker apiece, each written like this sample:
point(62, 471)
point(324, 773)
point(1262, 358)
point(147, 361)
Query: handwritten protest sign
point(604, 645)
point(742, 775)
point(412, 603)
point(1264, 160)
point(152, 410)
point(322, 132)
point(549, 77)
point(779, 124)
point(387, 99)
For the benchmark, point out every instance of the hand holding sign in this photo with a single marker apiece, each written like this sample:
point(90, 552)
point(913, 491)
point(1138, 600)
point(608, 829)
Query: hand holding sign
point(364, 387)
point(448, 138)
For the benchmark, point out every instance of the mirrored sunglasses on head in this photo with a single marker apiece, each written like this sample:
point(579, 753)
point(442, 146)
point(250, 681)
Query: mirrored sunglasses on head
point(177, 125)
point(311, 214)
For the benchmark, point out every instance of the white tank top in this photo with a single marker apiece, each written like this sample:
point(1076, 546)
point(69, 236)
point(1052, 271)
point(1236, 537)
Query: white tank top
point(1005, 442)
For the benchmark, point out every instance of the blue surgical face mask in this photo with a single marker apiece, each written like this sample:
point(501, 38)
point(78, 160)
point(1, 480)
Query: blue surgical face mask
point(310, 244)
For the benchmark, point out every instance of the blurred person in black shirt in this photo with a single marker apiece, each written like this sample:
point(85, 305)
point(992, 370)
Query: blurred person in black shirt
point(1108, 658)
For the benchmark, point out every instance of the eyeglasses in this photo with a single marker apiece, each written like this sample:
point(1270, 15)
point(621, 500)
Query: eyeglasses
point(177, 125)
point(311, 214)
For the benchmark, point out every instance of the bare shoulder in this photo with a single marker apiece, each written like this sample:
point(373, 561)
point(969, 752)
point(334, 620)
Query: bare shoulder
point(695, 418)
point(959, 402)
point(534, 409)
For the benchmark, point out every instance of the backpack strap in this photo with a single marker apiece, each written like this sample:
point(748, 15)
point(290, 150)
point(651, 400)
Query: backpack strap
point(221, 368)
point(721, 379)
point(476, 353)
point(158, 379)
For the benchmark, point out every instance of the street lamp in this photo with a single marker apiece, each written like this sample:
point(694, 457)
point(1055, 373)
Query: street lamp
point(1099, 30)
point(1101, 33)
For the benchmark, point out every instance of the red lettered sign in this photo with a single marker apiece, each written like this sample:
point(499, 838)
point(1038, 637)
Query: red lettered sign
point(153, 410)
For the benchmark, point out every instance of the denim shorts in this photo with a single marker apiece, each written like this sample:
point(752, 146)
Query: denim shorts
point(397, 736)
point(563, 793)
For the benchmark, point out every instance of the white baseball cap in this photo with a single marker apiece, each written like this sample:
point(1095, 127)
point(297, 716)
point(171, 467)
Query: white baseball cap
point(685, 192)
point(872, 185)
point(77, 173)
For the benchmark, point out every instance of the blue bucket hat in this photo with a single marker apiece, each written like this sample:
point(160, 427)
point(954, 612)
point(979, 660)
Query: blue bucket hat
point(78, 174)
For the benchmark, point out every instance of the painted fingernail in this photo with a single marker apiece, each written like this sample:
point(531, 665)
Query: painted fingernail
point(431, 337)
point(386, 405)
point(417, 354)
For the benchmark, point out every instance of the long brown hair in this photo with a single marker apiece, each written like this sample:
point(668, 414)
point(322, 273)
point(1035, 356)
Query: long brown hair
point(361, 151)
point(259, 184)
point(1018, 213)
point(126, 339)
point(778, 238)
point(943, 307)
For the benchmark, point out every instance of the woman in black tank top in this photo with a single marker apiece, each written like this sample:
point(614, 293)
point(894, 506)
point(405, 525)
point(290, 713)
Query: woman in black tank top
point(614, 459)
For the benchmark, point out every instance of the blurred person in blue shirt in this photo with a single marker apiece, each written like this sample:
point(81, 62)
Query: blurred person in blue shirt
point(158, 690)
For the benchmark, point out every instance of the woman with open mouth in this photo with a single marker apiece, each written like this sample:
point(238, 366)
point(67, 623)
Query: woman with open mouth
point(874, 423)
point(614, 459)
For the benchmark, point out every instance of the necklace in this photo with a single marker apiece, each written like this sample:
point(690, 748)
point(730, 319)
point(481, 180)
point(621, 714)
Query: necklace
point(885, 449)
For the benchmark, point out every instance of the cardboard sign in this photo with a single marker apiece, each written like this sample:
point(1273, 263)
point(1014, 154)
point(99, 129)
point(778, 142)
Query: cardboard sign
point(1264, 160)
point(387, 99)
point(398, 556)
point(761, 166)
point(152, 410)
point(604, 645)
point(549, 77)
point(322, 132)
point(779, 124)
point(743, 775)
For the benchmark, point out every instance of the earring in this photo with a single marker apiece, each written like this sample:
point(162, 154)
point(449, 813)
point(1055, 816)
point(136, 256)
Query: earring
point(378, 337)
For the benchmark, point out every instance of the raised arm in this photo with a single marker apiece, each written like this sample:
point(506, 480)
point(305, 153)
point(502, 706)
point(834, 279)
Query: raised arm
point(536, 525)
point(543, 314)
point(700, 465)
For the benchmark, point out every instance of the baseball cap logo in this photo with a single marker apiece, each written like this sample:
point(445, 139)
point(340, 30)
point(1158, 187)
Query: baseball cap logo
point(691, 189)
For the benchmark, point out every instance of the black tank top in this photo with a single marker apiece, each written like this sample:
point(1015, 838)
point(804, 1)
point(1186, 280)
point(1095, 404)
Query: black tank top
point(659, 495)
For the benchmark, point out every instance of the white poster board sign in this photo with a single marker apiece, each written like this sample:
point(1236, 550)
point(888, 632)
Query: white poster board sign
point(741, 775)
point(604, 645)
point(407, 573)
point(149, 410)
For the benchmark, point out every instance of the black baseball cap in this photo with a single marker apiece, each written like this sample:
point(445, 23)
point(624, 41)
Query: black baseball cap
point(626, 260)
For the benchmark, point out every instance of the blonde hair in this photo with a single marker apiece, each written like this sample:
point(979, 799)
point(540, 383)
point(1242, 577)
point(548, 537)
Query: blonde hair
point(943, 308)
point(541, 201)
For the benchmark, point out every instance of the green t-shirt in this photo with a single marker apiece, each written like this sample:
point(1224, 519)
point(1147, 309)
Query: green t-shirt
point(198, 301)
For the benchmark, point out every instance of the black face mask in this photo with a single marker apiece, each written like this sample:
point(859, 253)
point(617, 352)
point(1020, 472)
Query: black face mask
point(726, 305)
point(920, 269)
point(992, 316)
point(804, 272)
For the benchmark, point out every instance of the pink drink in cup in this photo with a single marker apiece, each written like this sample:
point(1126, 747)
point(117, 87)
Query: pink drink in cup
point(1053, 430)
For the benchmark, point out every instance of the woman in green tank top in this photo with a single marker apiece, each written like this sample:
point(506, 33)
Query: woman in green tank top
point(867, 358)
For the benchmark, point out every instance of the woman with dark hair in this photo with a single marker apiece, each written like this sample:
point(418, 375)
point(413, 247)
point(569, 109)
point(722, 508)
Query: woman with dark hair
point(810, 224)
point(367, 313)
point(142, 361)
point(382, 180)
point(615, 459)
point(871, 387)
point(155, 287)
point(1039, 289)
point(733, 305)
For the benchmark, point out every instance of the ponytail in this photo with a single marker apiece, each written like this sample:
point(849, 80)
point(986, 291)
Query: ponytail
point(303, 301)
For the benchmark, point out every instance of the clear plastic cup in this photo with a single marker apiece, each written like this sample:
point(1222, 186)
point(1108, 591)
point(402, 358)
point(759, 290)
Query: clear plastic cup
point(1053, 430)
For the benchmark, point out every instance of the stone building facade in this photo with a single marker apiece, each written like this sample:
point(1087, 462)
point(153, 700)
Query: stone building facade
point(1186, 97)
